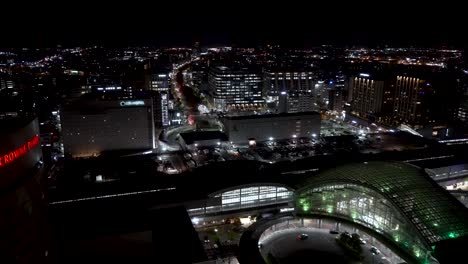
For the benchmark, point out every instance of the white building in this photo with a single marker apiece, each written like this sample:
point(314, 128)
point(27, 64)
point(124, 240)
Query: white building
point(90, 127)
point(271, 127)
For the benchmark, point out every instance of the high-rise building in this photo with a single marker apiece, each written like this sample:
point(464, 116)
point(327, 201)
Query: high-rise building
point(160, 82)
point(6, 83)
point(295, 102)
point(335, 100)
point(160, 109)
point(236, 88)
point(278, 80)
point(91, 126)
point(462, 113)
point(23, 227)
point(371, 97)
point(408, 107)
point(416, 97)
point(425, 99)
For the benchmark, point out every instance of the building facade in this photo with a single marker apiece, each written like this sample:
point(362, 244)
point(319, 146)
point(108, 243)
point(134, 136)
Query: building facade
point(161, 109)
point(160, 82)
point(240, 129)
point(295, 102)
point(408, 107)
point(462, 113)
point(335, 100)
point(23, 226)
point(236, 89)
point(92, 126)
point(295, 81)
point(367, 96)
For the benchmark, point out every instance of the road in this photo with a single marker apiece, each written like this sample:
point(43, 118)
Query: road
point(320, 247)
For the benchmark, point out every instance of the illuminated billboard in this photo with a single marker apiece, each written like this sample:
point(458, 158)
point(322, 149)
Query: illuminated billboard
point(20, 151)
point(9, 157)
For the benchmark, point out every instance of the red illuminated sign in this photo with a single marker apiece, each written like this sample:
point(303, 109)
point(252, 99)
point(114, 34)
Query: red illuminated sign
point(19, 152)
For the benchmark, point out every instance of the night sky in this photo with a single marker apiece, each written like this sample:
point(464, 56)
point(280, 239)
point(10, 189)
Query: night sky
point(244, 23)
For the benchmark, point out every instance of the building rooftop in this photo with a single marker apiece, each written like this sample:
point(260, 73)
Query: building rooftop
point(192, 137)
point(433, 211)
point(242, 117)
point(9, 125)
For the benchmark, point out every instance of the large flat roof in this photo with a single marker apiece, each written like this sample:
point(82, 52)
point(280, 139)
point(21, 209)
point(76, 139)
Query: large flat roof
point(299, 114)
point(433, 211)
point(191, 137)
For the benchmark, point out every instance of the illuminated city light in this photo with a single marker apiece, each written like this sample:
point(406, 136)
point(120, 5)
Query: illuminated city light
point(19, 152)
point(195, 220)
point(132, 103)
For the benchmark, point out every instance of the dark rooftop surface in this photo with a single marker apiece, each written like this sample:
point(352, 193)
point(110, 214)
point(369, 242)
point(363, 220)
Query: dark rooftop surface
point(242, 117)
point(12, 124)
point(191, 137)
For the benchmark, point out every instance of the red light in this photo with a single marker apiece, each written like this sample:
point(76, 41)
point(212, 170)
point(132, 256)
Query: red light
point(19, 152)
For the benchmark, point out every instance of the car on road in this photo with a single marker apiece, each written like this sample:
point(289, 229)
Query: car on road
point(302, 237)
point(374, 251)
point(333, 231)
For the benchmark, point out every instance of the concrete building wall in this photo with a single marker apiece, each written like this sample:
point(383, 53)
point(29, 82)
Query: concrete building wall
point(278, 127)
point(116, 127)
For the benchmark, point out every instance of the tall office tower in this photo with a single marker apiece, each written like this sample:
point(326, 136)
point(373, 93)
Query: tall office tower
point(371, 97)
point(289, 80)
point(5, 82)
point(160, 108)
point(462, 113)
point(335, 100)
point(91, 126)
point(425, 100)
point(408, 107)
point(236, 89)
point(160, 82)
point(23, 230)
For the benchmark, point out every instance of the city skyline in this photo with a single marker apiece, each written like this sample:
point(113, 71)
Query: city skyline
point(234, 132)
